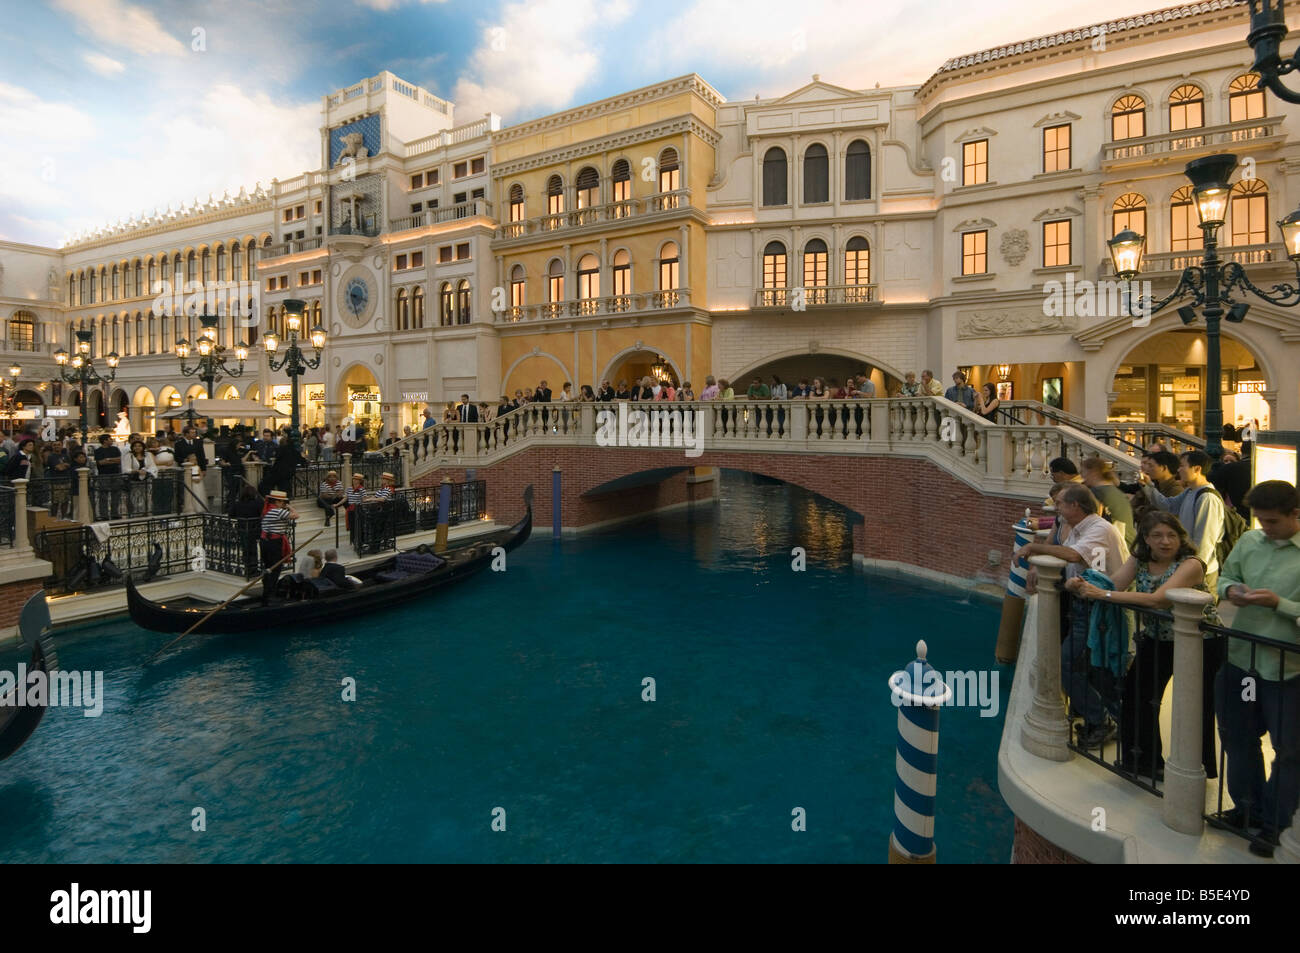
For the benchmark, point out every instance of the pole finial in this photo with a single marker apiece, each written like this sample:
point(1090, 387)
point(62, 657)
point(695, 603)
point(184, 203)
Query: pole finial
point(920, 649)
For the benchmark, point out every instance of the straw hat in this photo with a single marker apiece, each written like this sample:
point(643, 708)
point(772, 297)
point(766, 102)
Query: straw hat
point(388, 476)
point(279, 495)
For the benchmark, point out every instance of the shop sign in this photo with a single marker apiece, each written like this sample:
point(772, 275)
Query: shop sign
point(1250, 387)
point(316, 394)
point(282, 392)
point(57, 412)
point(414, 396)
point(360, 395)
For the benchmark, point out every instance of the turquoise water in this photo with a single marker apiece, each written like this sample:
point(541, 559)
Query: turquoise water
point(523, 690)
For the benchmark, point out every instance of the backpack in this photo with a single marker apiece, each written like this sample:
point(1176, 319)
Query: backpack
point(1233, 525)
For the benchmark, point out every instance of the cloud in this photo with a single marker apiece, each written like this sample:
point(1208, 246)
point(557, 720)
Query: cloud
point(536, 57)
point(392, 4)
point(121, 24)
point(103, 65)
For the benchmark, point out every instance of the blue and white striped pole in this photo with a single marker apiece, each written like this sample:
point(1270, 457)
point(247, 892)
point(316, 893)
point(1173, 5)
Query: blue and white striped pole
point(1013, 603)
point(918, 691)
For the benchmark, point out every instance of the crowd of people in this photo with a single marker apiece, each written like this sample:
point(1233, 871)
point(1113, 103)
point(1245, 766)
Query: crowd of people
point(1183, 525)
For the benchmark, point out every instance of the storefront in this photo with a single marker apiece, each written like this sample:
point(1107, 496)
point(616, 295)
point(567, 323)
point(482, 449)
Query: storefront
point(411, 410)
point(311, 405)
point(366, 409)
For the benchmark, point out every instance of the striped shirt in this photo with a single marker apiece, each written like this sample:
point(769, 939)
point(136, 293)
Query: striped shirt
point(276, 520)
point(355, 495)
point(384, 493)
point(333, 490)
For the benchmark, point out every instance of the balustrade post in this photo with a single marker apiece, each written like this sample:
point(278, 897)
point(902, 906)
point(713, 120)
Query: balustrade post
point(587, 420)
point(1046, 732)
point(876, 421)
point(84, 514)
point(1183, 806)
point(999, 455)
point(21, 541)
point(253, 472)
point(799, 420)
point(408, 465)
point(191, 477)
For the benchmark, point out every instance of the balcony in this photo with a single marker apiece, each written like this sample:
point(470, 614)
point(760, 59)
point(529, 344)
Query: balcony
point(612, 305)
point(1173, 262)
point(1188, 143)
point(441, 216)
point(292, 247)
point(594, 215)
point(823, 295)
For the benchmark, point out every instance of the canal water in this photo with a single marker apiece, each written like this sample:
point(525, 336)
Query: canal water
point(519, 699)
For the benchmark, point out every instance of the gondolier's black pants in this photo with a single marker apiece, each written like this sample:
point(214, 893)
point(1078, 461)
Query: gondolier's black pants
point(272, 553)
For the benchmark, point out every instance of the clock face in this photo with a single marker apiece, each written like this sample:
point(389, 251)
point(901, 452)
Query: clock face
point(356, 303)
point(358, 293)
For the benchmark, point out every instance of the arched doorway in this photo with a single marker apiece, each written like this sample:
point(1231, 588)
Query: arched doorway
point(528, 371)
point(96, 415)
point(632, 366)
point(833, 369)
point(364, 404)
point(1162, 380)
point(168, 399)
point(142, 404)
point(228, 392)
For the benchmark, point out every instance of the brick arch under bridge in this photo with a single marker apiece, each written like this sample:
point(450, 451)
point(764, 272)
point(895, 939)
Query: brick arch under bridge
point(910, 511)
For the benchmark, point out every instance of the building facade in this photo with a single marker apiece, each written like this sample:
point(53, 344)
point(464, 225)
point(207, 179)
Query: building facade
point(666, 232)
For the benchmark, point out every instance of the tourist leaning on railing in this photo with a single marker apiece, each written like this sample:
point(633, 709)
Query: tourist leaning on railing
point(1256, 691)
point(1199, 508)
point(1163, 559)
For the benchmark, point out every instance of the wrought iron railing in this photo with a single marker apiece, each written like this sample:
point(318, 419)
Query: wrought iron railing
point(8, 511)
point(116, 496)
point(377, 525)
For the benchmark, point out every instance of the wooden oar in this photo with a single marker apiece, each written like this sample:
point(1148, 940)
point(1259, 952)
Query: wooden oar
point(257, 580)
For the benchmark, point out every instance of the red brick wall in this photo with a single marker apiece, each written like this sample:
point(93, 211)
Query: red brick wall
point(12, 598)
point(913, 512)
point(1029, 847)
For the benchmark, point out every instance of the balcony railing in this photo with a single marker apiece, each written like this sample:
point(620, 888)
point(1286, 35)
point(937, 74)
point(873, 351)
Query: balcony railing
point(1172, 262)
point(292, 247)
point(440, 216)
point(825, 294)
point(660, 203)
point(1184, 140)
point(594, 307)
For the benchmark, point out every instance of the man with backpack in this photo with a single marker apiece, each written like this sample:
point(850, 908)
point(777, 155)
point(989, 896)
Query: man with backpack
point(1214, 528)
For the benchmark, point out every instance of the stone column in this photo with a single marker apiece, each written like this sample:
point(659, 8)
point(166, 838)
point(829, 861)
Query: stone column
point(22, 542)
point(1046, 732)
point(1183, 805)
point(84, 513)
point(253, 472)
point(407, 465)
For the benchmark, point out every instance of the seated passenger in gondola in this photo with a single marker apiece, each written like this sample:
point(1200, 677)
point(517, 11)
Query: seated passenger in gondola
point(334, 572)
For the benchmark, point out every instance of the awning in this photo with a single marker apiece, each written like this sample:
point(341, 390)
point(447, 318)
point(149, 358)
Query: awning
point(222, 410)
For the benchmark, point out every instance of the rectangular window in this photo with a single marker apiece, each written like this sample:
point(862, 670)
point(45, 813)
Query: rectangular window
point(431, 177)
point(316, 207)
point(399, 262)
point(774, 270)
point(1250, 220)
point(417, 259)
point(476, 194)
point(416, 207)
point(622, 190)
point(1243, 107)
point(316, 277)
point(477, 165)
point(460, 170)
point(288, 215)
point(462, 251)
point(975, 162)
point(432, 203)
point(1184, 227)
point(444, 254)
point(417, 180)
point(458, 198)
point(1056, 148)
point(304, 279)
point(974, 253)
point(1056, 243)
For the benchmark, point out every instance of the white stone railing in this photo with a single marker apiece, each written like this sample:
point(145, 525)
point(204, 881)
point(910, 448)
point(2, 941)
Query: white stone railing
point(440, 216)
point(995, 459)
point(596, 307)
point(611, 212)
point(815, 295)
point(1128, 438)
point(1187, 139)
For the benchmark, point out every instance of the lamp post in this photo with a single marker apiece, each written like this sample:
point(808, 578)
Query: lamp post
point(1210, 284)
point(9, 394)
point(212, 358)
point(294, 363)
point(83, 371)
point(1267, 31)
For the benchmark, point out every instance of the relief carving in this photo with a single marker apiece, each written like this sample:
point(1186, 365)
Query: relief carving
point(1015, 246)
point(1008, 323)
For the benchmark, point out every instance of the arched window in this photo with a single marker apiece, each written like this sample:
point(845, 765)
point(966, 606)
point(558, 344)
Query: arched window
point(464, 309)
point(403, 315)
point(153, 334)
point(516, 210)
point(857, 171)
point(621, 274)
point(1128, 118)
point(518, 292)
point(139, 333)
point(670, 179)
point(1184, 226)
point(140, 289)
point(1186, 108)
point(774, 274)
point(621, 177)
point(774, 177)
point(205, 264)
point(417, 307)
point(669, 275)
point(153, 277)
point(191, 267)
point(816, 175)
point(1245, 99)
point(116, 289)
point(857, 270)
point(554, 288)
point(1250, 213)
point(446, 304)
point(22, 331)
point(588, 284)
point(81, 298)
point(588, 185)
point(1129, 211)
point(815, 271)
point(221, 263)
point(237, 262)
point(94, 286)
point(554, 198)
point(72, 289)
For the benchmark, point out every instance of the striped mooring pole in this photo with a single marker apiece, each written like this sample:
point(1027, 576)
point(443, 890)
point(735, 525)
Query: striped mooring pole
point(1013, 603)
point(917, 691)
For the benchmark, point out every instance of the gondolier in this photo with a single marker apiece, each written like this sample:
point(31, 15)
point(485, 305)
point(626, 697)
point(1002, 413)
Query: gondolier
point(276, 520)
point(386, 492)
point(355, 496)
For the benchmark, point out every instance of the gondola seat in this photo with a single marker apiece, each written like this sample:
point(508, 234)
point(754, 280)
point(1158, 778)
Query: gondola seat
point(317, 588)
point(406, 565)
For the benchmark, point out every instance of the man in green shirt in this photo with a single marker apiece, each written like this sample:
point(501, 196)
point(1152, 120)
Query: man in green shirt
point(758, 390)
point(1256, 691)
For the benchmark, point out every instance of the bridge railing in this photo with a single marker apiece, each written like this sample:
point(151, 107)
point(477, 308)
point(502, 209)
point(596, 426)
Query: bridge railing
point(1003, 458)
point(1130, 438)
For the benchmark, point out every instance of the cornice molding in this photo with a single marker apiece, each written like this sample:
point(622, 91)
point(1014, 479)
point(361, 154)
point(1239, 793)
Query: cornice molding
point(617, 140)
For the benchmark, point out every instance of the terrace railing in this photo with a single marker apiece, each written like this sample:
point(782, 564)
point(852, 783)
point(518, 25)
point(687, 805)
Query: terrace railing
point(115, 496)
point(377, 526)
point(8, 515)
point(1132, 439)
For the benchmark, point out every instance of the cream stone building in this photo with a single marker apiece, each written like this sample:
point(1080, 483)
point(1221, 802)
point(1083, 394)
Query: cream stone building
point(667, 232)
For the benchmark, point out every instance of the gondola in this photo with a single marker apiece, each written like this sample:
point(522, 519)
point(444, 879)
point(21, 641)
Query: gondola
point(17, 722)
point(406, 576)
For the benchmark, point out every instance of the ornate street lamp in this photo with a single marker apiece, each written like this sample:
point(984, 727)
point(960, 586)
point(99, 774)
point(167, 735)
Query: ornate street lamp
point(9, 393)
point(83, 371)
point(294, 363)
point(1267, 31)
point(212, 357)
point(1210, 284)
